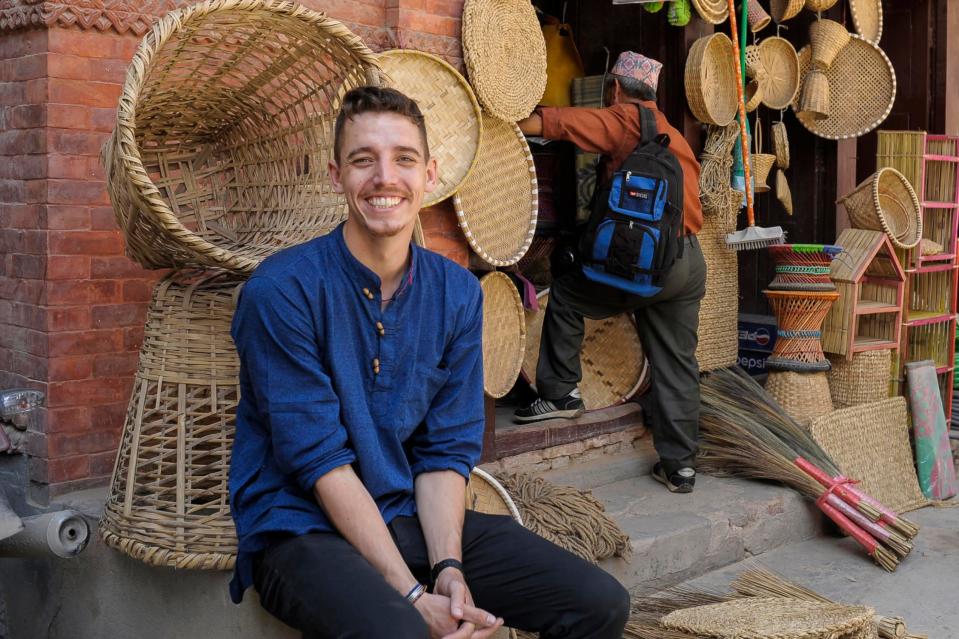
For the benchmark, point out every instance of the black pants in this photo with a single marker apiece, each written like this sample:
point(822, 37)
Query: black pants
point(322, 586)
point(667, 323)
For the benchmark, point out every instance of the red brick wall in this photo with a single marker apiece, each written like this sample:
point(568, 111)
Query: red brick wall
point(72, 306)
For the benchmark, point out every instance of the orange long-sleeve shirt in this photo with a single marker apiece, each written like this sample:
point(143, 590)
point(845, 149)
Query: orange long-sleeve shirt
point(615, 132)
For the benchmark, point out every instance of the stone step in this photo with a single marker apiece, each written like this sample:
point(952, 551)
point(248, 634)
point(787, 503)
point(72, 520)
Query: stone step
point(678, 537)
point(922, 590)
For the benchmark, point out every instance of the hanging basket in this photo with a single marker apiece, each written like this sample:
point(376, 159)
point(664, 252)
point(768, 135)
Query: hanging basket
point(169, 501)
point(756, 16)
point(224, 130)
point(762, 164)
point(710, 80)
point(781, 72)
point(780, 144)
point(886, 202)
point(826, 39)
point(783, 10)
point(818, 6)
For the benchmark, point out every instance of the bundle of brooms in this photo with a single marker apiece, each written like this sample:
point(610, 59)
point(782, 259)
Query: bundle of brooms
point(745, 433)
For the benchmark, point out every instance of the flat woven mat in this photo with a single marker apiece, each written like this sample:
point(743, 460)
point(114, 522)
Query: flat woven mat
point(498, 203)
point(862, 89)
point(774, 618)
point(614, 366)
point(504, 334)
point(505, 56)
point(453, 124)
point(870, 442)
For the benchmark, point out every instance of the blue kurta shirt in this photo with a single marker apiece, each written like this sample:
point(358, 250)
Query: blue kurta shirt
point(327, 378)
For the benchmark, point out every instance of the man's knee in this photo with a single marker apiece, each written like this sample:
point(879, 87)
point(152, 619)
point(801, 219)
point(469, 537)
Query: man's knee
point(605, 601)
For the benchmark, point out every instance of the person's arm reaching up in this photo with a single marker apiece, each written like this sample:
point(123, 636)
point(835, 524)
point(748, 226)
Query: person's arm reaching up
point(592, 130)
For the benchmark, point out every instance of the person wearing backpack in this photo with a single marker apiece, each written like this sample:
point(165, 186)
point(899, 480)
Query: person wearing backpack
point(638, 253)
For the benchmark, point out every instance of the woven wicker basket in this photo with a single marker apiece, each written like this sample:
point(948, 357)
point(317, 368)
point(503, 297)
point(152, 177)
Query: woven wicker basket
point(783, 10)
point(781, 66)
point(453, 124)
point(718, 345)
point(862, 90)
point(710, 80)
point(754, 95)
point(754, 62)
point(783, 192)
point(826, 39)
point(774, 618)
point(497, 207)
point(756, 16)
point(505, 56)
point(780, 144)
point(504, 334)
point(614, 366)
point(886, 202)
point(820, 5)
point(862, 380)
point(867, 16)
point(169, 504)
point(224, 131)
point(804, 396)
point(871, 443)
point(712, 11)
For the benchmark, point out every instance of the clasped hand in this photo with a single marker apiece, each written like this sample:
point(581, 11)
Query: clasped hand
point(450, 613)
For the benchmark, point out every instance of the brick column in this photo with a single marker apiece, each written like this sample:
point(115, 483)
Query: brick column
point(72, 306)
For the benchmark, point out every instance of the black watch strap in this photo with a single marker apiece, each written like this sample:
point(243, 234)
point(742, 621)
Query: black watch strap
point(439, 566)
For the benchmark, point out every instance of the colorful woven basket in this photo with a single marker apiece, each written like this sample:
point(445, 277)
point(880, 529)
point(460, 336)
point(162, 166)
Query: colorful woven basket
point(224, 131)
point(799, 318)
point(803, 267)
point(505, 56)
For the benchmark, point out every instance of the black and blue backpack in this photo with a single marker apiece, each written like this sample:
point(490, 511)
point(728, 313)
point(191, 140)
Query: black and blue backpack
point(634, 234)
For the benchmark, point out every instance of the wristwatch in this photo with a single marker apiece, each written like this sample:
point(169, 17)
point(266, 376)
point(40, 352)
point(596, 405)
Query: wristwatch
point(439, 566)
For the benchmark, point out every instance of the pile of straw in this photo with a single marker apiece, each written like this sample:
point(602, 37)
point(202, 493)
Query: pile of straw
point(570, 518)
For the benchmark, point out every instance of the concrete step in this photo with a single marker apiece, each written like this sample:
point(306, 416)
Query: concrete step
point(922, 590)
point(678, 537)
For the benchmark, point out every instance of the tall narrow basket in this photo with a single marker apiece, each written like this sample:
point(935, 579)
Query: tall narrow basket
point(169, 503)
point(885, 201)
point(224, 131)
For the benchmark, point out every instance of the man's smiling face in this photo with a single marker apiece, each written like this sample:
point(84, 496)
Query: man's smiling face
point(383, 170)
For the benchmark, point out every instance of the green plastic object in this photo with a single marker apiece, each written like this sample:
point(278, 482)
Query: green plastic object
point(653, 7)
point(679, 13)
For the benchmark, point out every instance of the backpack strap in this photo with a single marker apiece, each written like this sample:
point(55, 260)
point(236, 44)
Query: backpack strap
point(647, 124)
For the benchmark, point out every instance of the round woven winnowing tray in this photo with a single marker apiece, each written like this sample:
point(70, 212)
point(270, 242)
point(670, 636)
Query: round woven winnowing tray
point(505, 56)
point(781, 82)
point(614, 365)
point(867, 16)
point(453, 124)
point(504, 334)
point(778, 617)
point(497, 205)
point(712, 11)
point(862, 89)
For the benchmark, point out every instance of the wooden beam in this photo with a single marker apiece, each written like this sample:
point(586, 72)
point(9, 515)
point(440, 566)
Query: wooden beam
point(489, 433)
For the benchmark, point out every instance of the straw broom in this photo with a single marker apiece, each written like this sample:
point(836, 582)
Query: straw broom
point(742, 436)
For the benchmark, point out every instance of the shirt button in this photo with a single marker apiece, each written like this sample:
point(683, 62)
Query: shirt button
point(376, 366)
point(381, 328)
point(368, 293)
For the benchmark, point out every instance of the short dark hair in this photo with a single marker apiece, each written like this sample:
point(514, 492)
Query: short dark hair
point(632, 88)
point(372, 99)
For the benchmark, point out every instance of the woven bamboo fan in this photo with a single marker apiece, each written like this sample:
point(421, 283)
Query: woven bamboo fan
point(169, 503)
point(886, 201)
point(783, 10)
point(504, 334)
point(862, 89)
point(497, 205)
point(710, 80)
point(712, 11)
point(505, 56)
point(224, 131)
point(773, 617)
point(453, 124)
point(781, 66)
point(867, 16)
point(614, 366)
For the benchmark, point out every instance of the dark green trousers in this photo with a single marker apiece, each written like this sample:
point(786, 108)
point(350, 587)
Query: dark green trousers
point(667, 323)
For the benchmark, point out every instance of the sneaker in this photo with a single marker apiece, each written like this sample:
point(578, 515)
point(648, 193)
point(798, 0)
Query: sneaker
point(681, 481)
point(542, 409)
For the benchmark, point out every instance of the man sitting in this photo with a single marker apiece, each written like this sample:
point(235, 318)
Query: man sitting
point(361, 417)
